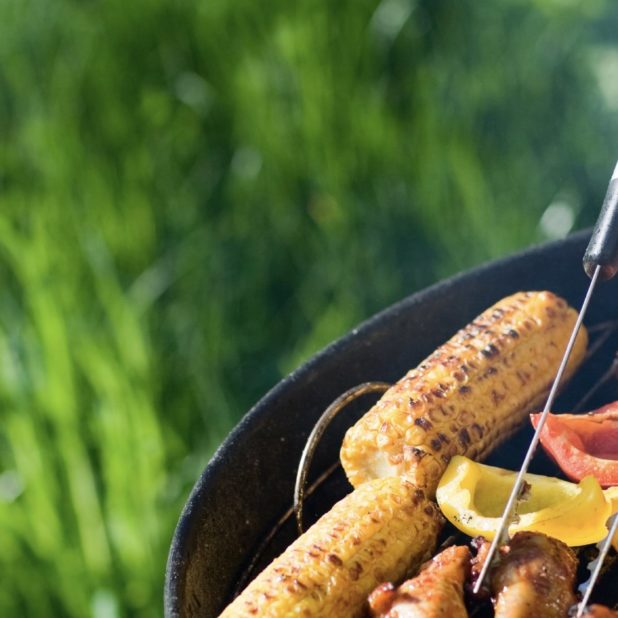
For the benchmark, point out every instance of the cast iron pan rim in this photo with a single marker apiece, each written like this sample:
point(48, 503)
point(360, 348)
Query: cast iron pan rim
point(186, 528)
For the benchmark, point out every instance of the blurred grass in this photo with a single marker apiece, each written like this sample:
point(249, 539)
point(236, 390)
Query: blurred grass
point(195, 197)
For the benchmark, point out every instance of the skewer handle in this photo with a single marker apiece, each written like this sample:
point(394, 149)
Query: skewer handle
point(603, 246)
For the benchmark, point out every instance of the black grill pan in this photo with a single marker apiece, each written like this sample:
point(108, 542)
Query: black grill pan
point(248, 484)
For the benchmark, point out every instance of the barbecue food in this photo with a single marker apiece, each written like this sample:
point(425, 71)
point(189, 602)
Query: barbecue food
point(583, 444)
point(599, 611)
point(534, 578)
point(379, 532)
point(468, 396)
point(437, 591)
point(472, 496)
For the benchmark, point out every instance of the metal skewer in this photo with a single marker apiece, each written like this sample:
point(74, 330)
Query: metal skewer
point(595, 566)
point(600, 262)
point(510, 510)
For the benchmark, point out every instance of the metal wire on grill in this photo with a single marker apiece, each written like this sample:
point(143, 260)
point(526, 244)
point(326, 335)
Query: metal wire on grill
point(318, 431)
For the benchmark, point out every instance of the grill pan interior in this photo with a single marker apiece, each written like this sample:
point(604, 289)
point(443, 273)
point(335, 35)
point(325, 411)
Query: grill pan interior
point(247, 487)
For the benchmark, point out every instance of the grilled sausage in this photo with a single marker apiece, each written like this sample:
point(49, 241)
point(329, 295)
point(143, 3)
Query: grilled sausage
point(379, 532)
point(469, 395)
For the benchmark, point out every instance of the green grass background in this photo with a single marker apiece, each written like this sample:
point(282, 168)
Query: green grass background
point(197, 196)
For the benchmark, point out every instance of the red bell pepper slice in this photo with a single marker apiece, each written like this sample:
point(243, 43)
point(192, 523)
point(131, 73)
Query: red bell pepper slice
point(583, 444)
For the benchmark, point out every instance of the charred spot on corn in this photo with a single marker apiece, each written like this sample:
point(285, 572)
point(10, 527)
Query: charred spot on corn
point(422, 422)
point(439, 392)
point(490, 351)
point(412, 452)
point(496, 397)
point(464, 437)
point(477, 429)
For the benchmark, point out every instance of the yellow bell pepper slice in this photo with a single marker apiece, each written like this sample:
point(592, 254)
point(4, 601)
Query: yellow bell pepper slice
point(472, 497)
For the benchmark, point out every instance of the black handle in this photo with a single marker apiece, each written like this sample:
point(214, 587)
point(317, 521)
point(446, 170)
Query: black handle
point(603, 246)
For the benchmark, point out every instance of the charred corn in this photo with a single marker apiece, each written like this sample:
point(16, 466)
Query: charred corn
point(469, 395)
point(380, 532)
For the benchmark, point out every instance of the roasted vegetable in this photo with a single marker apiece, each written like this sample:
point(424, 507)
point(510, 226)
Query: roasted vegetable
point(379, 532)
point(472, 496)
point(469, 395)
point(583, 444)
point(436, 592)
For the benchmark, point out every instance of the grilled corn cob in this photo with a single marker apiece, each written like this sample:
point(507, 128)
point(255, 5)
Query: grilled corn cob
point(379, 532)
point(469, 395)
